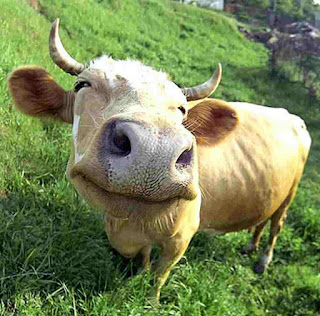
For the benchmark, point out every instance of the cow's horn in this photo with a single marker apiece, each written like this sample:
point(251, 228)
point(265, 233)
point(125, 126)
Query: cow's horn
point(205, 89)
point(59, 55)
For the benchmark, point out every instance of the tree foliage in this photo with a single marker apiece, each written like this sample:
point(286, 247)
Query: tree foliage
point(301, 9)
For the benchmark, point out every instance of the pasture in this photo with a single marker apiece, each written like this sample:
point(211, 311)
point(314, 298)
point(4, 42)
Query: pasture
point(54, 255)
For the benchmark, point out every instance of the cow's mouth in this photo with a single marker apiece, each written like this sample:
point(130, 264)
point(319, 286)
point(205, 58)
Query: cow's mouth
point(89, 185)
point(92, 185)
point(123, 206)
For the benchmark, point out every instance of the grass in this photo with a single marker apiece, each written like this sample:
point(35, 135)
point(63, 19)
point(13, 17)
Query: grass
point(54, 255)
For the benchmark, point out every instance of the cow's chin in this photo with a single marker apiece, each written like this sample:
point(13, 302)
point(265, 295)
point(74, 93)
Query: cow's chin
point(123, 206)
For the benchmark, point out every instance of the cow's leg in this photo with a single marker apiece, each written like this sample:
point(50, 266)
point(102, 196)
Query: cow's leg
point(145, 253)
point(254, 243)
point(171, 253)
point(276, 227)
point(277, 220)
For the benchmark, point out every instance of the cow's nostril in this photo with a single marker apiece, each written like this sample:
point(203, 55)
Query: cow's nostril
point(122, 143)
point(185, 158)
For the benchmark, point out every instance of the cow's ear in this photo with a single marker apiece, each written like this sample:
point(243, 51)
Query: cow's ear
point(36, 93)
point(211, 121)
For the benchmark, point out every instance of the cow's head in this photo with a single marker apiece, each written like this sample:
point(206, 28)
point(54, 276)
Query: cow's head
point(134, 142)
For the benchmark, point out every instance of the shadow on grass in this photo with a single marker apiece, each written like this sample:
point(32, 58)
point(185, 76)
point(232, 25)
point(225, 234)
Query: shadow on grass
point(54, 246)
point(49, 247)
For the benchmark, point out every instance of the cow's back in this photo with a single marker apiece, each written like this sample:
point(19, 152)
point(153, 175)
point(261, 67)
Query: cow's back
point(246, 177)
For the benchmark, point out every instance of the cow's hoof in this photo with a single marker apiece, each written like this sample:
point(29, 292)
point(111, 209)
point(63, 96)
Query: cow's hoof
point(153, 298)
point(259, 268)
point(153, 302)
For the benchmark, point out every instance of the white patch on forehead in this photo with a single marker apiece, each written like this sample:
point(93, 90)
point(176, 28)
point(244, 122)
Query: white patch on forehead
point(133, 71)
point(137, 74)
point(75, 127)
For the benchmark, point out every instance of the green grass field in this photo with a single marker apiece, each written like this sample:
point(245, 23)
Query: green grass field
point(54, 255)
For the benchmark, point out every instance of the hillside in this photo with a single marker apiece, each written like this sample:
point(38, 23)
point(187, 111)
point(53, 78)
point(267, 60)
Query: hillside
point(54, 255)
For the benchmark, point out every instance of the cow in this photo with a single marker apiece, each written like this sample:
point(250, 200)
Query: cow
point(165, 162)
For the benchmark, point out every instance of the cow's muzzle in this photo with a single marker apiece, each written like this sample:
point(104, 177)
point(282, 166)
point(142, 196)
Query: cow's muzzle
point(149, 159)
point(121, 139)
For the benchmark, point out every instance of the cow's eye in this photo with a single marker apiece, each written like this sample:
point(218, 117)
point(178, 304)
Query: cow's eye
point(182, 109)
point(81, 84)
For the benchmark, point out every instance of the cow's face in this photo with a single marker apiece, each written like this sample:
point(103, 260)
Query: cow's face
point(134, 142)
point(128, 136)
